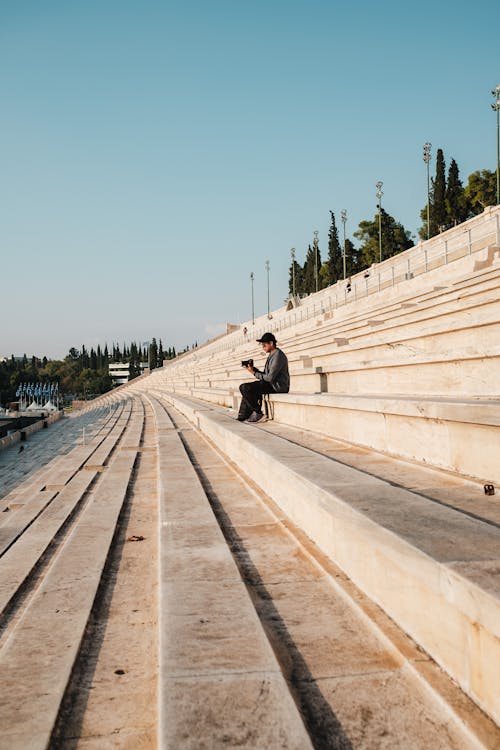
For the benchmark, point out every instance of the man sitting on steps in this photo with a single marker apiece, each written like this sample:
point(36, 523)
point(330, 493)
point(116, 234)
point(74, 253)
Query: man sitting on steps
point(274, 379)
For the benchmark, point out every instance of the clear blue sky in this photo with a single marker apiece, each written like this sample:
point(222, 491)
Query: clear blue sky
point(155, 153)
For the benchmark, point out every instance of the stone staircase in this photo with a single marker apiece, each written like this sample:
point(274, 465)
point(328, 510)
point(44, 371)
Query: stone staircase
point(330, 578)
point(414, 375)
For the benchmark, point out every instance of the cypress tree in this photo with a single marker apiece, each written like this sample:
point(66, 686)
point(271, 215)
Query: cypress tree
point(161, 354)
point(297, 269)
point(309, 266)
point(317, 267)
point(335, 262)
point(438, 197)
point(134, 369)
point(153, 354)
point(455, 200)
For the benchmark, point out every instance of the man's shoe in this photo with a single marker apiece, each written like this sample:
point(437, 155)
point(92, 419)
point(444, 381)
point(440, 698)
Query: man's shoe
point(256, 417)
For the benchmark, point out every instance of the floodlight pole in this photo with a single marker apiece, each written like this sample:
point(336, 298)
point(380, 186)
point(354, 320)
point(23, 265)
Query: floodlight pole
point(343, 219)
point(267, 267)
point(292, 253)
point(379, 195)
point(253, 308)
point(427, 158)
point(496, 107)
point(316, 264)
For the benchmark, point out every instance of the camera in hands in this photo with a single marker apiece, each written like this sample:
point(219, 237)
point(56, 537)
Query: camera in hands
point(247, 363)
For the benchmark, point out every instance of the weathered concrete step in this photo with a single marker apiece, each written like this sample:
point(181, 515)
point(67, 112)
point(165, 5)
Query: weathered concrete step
point(300, 339)
point(418, 289)
point(29, 504)
point(112, 698)
point(428, 307)
point(446, 334)
point(480, 411)
point(39, 479)
point(460, 376)
point(51, 479)
point(62, 468)
point(19, 561)
point(424, 341)
point(24, 492)
point(19, 521)
point(443, 487)
point(132, 437)
point(37, 659)
point(346, 661)
point(399, 323)
point(408, 554)
point(101, 454)
point(459, 371)
point(215, 659)
point(458, 435)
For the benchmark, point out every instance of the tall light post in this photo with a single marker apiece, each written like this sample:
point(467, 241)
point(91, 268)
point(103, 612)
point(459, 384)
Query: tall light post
point(379, 195)
point(316, 264)
point(496, 107)
point(267, 266)
point(427, 158)
point(343, 219)
point(253, 307)
point(292, 253)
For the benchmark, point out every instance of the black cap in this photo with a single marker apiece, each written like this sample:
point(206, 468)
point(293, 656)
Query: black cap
point(267, 338)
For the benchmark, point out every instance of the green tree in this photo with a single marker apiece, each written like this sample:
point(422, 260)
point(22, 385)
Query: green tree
point(324, 275)
point(161, 354)
point(352, 258)
point(309, 281)
point(134, 368)
point(480, 191)
point(335, 261)
point(84, 358)
point(438, 217)
point(153, 354)
point(395, 239)
point(456, 206)
point(317, 267)
point(296, 269)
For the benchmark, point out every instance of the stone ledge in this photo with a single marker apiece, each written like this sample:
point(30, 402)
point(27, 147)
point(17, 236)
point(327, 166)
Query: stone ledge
point(209, 631)
point(484, 411)
point(432, 569)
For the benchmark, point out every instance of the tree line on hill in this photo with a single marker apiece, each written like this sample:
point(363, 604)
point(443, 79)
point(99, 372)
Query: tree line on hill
point(82, 373)
point(450, 203)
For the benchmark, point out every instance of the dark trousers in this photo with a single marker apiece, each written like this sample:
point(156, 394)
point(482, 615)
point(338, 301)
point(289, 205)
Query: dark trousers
point(251, 397)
